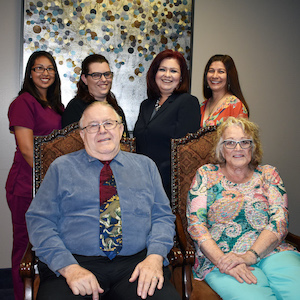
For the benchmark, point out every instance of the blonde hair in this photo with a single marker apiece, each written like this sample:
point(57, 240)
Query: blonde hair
point(250, 129)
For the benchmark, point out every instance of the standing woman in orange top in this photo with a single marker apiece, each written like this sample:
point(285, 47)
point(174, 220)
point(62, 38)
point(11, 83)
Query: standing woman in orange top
point(222, 91)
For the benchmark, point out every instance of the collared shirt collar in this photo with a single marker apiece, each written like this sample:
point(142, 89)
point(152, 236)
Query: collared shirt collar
point(119, 158)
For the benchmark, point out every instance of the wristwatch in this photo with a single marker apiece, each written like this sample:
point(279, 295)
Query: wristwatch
point(255, 253)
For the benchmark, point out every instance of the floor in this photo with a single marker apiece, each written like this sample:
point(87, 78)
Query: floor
point(6, 285)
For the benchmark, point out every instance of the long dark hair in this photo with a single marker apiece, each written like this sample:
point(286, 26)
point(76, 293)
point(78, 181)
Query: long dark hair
point(233, 85)
point(82, 88)
point(153, 91)
point(53, 92)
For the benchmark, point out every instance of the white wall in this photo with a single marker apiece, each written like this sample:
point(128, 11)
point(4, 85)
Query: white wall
point(261, 35)
point(10, 36)
point(263, 39)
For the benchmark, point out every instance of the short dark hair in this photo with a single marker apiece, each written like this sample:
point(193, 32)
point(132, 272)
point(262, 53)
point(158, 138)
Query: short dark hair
point(82, 88)
point(53, 92)
point(233, 84)
point(153, 91)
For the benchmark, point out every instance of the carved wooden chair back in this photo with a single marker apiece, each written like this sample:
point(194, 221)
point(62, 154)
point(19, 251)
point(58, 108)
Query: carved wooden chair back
point(187, 155)
point(60, 142)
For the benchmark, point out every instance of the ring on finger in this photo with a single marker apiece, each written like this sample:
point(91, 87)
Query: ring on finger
point(155, 277)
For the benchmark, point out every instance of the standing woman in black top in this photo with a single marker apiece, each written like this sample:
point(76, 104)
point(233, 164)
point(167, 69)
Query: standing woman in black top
point(94, 85)
point(169, 112)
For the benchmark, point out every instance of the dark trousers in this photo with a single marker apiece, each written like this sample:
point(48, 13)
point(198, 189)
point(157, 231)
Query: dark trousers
point(112, 275)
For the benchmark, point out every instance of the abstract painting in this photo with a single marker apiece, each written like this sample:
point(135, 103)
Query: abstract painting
point(128, 33)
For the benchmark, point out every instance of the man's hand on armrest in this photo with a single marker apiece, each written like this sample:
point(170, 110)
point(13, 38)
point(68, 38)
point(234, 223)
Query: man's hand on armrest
point(81, 281)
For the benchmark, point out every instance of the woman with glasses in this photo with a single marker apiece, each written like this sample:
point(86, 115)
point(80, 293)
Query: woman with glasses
point(94, 85)
point(36, 111)
point(169, 112)
point(238, 218)
point(222, 92)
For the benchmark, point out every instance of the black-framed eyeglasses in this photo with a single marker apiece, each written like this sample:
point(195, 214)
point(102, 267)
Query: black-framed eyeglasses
point(41, 70)
point(244, 144)
point(98, 75)
point(95, 127)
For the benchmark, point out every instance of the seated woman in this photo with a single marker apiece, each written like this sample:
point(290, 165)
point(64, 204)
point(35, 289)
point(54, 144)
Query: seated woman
point(238, 218)
point(222, 91)
point(94, 85)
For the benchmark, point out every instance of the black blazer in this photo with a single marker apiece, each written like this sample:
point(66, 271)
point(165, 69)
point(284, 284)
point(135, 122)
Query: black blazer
point(179, 115)
point(75, 108)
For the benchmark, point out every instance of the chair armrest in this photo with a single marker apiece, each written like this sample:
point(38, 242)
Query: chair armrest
point(27, 263)
point(187, 249)
point(175, 257)
point(294, 240)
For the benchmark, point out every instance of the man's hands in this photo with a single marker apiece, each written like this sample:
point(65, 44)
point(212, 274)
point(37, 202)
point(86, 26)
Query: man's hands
point(150, 274)
point(81, 281)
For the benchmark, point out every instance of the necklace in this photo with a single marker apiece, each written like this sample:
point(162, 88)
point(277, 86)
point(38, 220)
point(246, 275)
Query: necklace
point(211, 109)
point(157, 106)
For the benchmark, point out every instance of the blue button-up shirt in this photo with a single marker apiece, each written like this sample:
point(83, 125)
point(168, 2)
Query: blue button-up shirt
point(63, 218)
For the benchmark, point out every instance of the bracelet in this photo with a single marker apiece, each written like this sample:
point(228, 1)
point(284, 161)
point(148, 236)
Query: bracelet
point(258, 258)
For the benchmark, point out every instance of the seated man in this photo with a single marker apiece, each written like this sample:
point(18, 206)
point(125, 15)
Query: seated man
point(112, 242)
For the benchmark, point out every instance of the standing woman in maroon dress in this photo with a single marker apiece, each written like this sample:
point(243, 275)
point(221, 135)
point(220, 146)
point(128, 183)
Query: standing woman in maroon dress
point(36, 111)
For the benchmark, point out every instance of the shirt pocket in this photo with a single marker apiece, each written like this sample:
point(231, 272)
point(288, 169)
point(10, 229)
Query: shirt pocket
point(138, 203)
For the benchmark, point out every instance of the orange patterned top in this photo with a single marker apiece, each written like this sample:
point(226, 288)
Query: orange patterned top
point(232, 107)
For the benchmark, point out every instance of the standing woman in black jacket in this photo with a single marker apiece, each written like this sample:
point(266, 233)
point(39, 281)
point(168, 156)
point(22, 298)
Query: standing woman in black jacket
point(169, 112)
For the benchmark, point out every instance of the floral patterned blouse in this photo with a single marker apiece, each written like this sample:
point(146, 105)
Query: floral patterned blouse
point(231, 107)
point(235, 214)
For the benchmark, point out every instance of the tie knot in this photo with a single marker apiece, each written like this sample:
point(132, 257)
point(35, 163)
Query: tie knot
point(106, 162)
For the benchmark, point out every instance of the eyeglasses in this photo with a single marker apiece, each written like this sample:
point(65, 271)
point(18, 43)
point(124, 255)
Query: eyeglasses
point(108, 125)
point(40, 69)
point(231, 144)
point(98, 75)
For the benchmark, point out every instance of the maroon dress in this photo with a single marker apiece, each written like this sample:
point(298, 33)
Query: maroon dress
point(24, 111)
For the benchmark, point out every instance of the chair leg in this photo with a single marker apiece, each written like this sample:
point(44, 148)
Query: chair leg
point(36, 286)
point(187, 282)
point(28, 285)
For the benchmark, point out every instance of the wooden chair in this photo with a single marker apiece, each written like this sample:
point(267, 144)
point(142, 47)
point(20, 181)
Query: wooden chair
point(188, 154)
point(46, 150)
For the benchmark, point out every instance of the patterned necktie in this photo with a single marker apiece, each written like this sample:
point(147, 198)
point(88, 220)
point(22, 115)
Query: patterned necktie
point(110, 213)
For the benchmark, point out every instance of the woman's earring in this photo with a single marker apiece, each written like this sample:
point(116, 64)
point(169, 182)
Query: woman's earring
point(228, 86)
